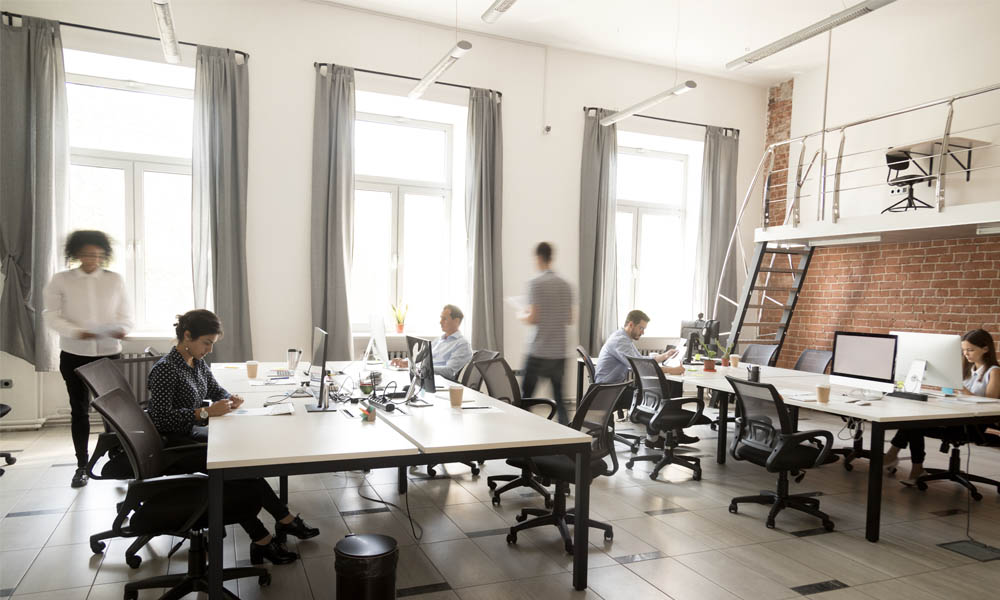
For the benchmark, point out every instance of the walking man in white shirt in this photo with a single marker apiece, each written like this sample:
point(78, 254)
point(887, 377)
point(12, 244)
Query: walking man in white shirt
point(90, 310)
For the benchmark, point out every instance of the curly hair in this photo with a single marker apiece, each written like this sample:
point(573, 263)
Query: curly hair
point(86, 237)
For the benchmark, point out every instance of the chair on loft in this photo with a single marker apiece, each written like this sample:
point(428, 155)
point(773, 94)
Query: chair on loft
point(899, 162)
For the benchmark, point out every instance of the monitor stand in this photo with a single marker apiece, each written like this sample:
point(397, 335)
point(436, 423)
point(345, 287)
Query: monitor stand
point(316, 408)
point(413, 395)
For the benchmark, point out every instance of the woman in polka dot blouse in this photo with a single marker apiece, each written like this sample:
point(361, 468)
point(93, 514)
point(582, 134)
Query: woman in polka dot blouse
point(178, 383)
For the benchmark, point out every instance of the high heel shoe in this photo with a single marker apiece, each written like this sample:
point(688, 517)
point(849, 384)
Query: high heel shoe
point(297, 527)
point(889, 464)
point(272, 551)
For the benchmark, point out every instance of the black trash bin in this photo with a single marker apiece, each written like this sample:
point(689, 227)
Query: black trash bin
point(366, 567)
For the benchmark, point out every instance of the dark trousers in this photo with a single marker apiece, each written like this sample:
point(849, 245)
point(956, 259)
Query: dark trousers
point(914, 438)
point(79, 401)
point(551, 369)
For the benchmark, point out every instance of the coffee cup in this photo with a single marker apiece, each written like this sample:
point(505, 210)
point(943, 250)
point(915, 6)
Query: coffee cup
point(455, 394)
point(734, 360)
point(294, 355)
point(252, 369)
point(823, 392)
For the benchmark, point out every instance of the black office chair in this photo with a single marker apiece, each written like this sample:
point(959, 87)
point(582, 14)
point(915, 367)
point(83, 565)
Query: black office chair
point(595, 415)
point(7, 456)
point(169, 505)
point(899, 162)
point(654, 407)
point(759, 354)
point(954, 438)
point(814, 361)
point(501, 384)
point(473, 379)
point(629, 439)
point(780, 449)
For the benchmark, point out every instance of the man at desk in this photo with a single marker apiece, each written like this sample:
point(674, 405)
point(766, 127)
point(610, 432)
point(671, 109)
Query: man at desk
point(451, 351)
point(612, 364)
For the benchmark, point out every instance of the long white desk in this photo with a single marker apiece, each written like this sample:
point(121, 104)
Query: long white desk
point(884, 414)
point(332, 441)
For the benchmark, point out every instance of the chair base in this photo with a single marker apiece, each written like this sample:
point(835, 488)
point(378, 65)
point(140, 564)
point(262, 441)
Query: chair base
point(854, 452)
point(955, 473)
point(472, 466)
point(525, 479)
point(910, 202)
point(196, 578)
point(558, 516)
point(780, 500)
point(669, 457)
point(630, 440)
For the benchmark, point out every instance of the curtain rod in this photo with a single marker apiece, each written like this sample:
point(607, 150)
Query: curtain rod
point(457, 85)
point(589, 108)
point(11, 16)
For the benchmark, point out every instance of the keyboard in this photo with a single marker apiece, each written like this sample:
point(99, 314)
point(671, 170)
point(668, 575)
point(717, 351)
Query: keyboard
point(279, 373)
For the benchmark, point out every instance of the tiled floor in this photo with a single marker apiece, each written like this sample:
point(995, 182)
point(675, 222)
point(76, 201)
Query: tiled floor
point(674, 538)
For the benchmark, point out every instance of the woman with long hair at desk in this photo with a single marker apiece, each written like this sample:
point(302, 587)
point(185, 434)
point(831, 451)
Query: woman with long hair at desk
point(981, 378)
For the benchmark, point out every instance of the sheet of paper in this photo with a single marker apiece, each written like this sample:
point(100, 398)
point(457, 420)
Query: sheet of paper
point(518, 303)
point(267, 411)
point(273, 382)
point(105, 331)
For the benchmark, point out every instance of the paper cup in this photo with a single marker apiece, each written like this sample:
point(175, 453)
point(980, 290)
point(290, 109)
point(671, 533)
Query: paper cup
point(823, 393)
point(252, 369)
point(734, 360)
point(455, 394)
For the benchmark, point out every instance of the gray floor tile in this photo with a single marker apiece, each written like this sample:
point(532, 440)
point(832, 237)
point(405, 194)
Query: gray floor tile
point(60, 567)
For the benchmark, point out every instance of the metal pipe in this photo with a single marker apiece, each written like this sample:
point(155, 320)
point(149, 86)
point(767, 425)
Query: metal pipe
point(371, 72)
point(943, 163)
point(589, 108)
point(821, 205)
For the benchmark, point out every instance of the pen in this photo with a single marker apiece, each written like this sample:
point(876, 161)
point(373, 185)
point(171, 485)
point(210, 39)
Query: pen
point(277, 378)
point(473, 407)
point(348, 413)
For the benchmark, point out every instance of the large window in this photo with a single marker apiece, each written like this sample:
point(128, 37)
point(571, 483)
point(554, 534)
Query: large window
point(409, 242)
point(654, 240)
point(130, 126)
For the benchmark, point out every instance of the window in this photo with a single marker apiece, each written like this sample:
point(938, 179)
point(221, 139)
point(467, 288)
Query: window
point(130, 126)
point(409, 240)
point(654, 236)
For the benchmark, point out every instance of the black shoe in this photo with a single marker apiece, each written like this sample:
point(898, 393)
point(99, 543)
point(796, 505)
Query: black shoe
point(79, 478)
point(272, 551)
point(687, 439)
point(297, 527)
point(656, 444)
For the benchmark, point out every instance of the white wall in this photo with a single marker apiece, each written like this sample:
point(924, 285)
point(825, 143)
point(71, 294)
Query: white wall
point(541, 172)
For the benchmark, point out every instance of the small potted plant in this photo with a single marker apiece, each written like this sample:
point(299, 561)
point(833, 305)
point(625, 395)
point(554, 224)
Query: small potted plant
point(400, 316)
point(724, 351)
point(709, 357)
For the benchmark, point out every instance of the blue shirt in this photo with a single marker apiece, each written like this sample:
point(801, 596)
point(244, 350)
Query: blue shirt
point(450, 353)
point(612, 364)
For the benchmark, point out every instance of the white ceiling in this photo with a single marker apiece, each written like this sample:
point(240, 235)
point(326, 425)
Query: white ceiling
point(712, 32)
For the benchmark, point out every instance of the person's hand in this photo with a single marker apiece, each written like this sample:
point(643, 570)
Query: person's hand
point(86, 335)
point(235, 401)
point(668, 354)
point(119, 335)
point(219, 408)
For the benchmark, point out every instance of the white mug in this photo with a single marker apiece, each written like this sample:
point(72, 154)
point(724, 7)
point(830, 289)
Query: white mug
point(293, 358)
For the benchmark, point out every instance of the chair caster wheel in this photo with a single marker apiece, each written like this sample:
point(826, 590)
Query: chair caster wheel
point(475, 471)
point(921, 486)
point(653, 475)
point(977, 496)
point(548, 502)
point(850, 467)
point(828, 525)
point(769, 524)
point(10, 460)
point(264, 580)
point(696, 476)
point(431, 472)
point(520, 518)
point(569, 547)
point(634, 448)
point(629, 465)
point(511, 538)
point(733, 508)
point(492, 485)
point(133, 561)
point(495, 500)
point(131, 595)
point(713, 426)
point(609, 535)
point(97, 547)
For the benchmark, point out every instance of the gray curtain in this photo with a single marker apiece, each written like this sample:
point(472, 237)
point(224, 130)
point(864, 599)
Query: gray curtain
point(333, 206)
point(483, 216)
point(598, 302)
point(718, 217)
point(219, 196)
point(34, 162)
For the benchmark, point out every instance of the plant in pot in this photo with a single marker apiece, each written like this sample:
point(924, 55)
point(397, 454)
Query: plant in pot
point(709, 357)
point(400, 316)
point(724, 351)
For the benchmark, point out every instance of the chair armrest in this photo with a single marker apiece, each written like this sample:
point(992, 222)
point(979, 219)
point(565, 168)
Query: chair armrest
point(142, 490)
point(527, 403)
point(789, 440)
point(677, 403)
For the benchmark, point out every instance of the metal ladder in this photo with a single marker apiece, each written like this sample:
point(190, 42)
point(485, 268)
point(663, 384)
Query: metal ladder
point(769, 295)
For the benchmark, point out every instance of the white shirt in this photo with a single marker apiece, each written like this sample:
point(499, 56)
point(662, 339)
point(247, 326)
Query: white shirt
point(77, 302)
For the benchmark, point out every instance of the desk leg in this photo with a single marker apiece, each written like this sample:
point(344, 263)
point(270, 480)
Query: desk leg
point(581, 529)
point(877, 446)
point(283, 489)
point(793, 412)
point(579, 382)
point(215, 532)
point(723, 426)
point(401, 480)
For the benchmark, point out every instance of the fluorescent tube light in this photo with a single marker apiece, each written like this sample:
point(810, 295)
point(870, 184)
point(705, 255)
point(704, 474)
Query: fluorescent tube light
point(496, 10)
point(168, 38)
point(988, 229)
point(858, 239)
point(683, 88)
point(801, 35)
point(449, 59)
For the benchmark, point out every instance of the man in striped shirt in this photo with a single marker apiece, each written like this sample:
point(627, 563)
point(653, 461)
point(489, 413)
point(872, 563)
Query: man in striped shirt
point(550, 310)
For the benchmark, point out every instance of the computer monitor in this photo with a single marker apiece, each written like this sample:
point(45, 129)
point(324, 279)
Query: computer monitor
point(707, 330)
point(864, 360)
point(317, 372)
point(377, 348)
point(942, 352)
point(421, 365)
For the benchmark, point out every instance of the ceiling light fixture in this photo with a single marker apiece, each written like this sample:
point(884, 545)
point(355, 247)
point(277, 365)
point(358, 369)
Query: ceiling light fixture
point(992, 229)
point(683, 88)
point(168, 38)
point(835, 20)
point(496, 10)
point(843, 241)
point(449, 59)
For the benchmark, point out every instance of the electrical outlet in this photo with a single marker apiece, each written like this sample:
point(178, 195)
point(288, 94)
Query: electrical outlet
point(6, 384)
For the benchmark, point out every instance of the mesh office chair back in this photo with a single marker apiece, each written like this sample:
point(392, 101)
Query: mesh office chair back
point(814, 361)
point(759, 354)
point(595, 416)
point(103, 376)
point(136, 432)
point(649, 385)
point(760, 406)
point(587, 362)
point(472, 378)
point(500, 381)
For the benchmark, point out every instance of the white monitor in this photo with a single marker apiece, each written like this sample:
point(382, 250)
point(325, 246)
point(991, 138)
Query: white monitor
point(943, 353)
point(377, 346)
point(864, 360)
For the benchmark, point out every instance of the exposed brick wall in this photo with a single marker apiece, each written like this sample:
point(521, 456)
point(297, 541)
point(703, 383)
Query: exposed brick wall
point(779, 128)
